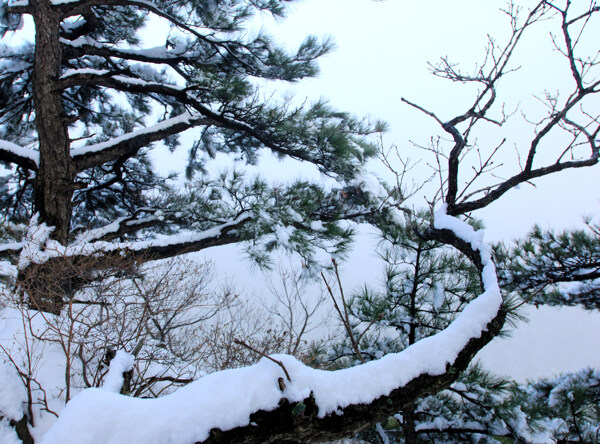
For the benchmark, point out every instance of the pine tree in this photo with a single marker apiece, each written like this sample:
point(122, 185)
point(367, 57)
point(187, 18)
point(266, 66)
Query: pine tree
point(82, 107)
point(425, 286)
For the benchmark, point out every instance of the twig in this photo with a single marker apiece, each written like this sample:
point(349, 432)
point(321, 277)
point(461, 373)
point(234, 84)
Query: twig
point(279, 363)
point(343, 316)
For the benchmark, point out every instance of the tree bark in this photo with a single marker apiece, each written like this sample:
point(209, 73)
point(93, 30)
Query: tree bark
point(53, 184)
point(409, 427)
point(22, 430)
point(53, 187)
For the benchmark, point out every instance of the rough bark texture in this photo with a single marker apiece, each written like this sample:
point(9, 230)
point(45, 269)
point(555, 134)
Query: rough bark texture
point(54, 180)
point(409, 424)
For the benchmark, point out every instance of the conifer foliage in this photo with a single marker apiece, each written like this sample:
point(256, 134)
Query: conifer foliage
point(425, 288)
point(554, 268)
point(85, 102)
point(82, 106)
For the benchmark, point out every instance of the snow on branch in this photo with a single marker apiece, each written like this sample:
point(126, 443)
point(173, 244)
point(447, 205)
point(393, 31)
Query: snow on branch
point(250, 404)
point(10, 250)
point(39, 248)
point(24, 157)
point(119, 227)
point(128, 144)
point(116, 80)
point(121, 363)
point(159, 54)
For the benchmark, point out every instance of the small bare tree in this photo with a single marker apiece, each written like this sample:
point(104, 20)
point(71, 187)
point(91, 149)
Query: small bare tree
point(299, 306)
point(165, 314)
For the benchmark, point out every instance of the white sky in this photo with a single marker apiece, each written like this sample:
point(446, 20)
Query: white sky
point(382, 54)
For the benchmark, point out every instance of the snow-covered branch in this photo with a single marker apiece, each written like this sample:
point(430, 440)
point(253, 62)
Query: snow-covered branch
point(171, 56)
point(128, 144)
point(316, 404)
point(121, 80)
point(118, 228)
point(39, 248)
point(24, 157)
point(11, 250)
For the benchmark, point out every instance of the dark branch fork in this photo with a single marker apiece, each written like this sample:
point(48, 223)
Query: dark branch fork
point(559, 117)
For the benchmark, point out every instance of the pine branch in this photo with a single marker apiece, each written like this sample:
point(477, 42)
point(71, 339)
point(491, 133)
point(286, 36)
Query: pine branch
point(119, 228)
point(129, 144)
point(228, 118)
point(172, 58)
point(170, 246)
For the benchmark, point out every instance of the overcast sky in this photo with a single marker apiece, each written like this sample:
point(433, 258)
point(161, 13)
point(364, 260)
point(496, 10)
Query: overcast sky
point(381, 56)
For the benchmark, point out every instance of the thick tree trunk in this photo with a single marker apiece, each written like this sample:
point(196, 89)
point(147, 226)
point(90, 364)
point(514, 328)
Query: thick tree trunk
point(53, 186)
point(53, 189)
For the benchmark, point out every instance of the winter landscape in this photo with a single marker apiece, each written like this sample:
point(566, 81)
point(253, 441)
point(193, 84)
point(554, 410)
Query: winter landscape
point(247, 221)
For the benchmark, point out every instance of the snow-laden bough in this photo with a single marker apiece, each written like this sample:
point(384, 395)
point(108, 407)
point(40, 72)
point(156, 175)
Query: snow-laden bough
point(230, 399)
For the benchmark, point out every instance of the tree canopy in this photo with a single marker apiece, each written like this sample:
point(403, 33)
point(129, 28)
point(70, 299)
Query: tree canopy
point(86, 102)
point(82, 106)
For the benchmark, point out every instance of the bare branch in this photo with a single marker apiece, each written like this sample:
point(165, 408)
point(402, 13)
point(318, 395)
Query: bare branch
point(279, 363)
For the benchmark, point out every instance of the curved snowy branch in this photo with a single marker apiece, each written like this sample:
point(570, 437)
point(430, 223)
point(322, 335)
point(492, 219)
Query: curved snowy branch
point(316, 405)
